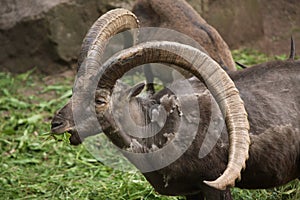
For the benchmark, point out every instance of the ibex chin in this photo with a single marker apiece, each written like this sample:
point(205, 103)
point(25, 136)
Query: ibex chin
point(267, 92)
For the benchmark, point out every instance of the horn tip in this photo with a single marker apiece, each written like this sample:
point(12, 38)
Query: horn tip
point(217, 185)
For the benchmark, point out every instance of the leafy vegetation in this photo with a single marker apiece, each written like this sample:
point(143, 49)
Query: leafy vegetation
point(35, 165)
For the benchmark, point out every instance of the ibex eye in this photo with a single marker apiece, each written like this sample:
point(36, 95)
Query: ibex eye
point(100, 102)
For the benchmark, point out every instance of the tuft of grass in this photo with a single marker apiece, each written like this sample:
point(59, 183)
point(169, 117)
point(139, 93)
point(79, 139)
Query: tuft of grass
point(36, 165)
point(249, 57)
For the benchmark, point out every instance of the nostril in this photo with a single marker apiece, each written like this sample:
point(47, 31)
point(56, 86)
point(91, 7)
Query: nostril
point(56, 124)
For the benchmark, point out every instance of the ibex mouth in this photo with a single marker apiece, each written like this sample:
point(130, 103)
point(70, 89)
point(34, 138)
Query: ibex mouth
point(59, 126)
point(74, 138)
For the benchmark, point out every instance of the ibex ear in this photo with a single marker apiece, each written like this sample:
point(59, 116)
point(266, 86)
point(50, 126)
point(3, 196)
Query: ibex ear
point(136, 90)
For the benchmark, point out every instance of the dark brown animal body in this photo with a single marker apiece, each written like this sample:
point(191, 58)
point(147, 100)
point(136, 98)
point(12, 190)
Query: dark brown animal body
point(272, 98)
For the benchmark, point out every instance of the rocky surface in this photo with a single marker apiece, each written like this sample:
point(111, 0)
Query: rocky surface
point(47, 34)
point(43, 34)
point(260, 24)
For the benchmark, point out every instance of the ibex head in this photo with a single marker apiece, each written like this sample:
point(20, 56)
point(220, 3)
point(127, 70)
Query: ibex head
point(93, 46)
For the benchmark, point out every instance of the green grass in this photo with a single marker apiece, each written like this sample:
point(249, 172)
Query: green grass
point(251, 57)
point(35, 165)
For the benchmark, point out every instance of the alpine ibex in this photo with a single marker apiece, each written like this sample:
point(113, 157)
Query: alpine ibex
point(270, 98)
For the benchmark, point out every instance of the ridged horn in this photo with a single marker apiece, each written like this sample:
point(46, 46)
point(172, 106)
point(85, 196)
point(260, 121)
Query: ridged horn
point(206, 69)
point(109, 24)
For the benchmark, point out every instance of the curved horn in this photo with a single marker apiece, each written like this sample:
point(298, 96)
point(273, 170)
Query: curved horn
point(217, 81)
point(109, 24)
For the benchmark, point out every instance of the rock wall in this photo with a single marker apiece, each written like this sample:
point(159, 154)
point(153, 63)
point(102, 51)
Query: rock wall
point(43, 34)
point(47, 34)
point(265, 25)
